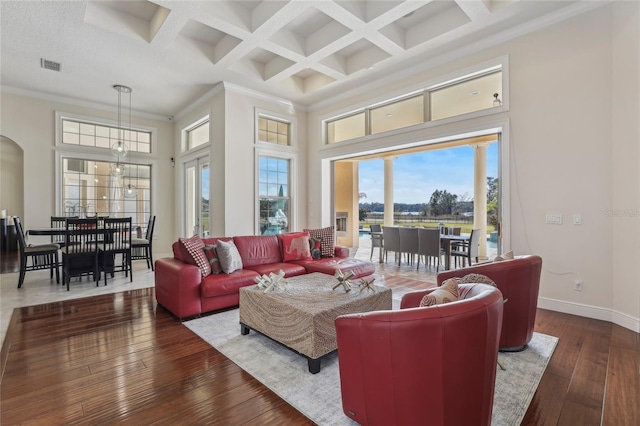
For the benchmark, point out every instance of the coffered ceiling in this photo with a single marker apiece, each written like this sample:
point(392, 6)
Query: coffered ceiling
point(173, 52)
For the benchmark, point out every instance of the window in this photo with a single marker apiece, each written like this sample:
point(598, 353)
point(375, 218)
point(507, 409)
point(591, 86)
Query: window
point(75, 132)
point(88, 189)
point(273, 131)
point(274, 195)
point(462, 95)
point(198, 134)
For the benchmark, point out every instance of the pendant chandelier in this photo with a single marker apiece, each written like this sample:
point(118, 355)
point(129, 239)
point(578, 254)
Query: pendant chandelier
point(120, 148)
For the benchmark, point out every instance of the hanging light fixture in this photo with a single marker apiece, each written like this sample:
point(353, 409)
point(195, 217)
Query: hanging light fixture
point(130, 191)
point(120, 148)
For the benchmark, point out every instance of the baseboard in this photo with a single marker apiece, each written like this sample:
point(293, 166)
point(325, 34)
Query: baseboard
point(589, 311)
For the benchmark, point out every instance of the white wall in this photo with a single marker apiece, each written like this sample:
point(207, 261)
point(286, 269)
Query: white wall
point(572, 117)
point(30, 122)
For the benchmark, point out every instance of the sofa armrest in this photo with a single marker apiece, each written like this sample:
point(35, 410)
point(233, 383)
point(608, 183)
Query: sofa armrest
point(413, 298)
point(340, 251)
point(177, 287)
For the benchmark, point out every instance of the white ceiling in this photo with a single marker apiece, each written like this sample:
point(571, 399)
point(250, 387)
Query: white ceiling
point(173, 52)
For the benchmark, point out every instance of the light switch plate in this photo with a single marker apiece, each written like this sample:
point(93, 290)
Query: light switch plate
point(577, 219)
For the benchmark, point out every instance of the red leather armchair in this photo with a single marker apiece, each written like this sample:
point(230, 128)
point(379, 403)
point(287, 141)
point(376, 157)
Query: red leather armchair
point(434, 365)
point(519, 280)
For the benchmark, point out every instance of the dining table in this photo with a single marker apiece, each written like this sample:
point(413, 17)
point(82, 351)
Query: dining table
point(447, 239)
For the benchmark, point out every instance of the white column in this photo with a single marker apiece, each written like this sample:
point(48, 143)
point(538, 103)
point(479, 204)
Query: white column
point(388, 191)
point(480, 195)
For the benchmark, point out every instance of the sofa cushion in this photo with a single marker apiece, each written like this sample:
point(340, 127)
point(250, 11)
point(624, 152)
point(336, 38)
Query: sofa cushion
point(229, 256)
point(223, 284)
point(212, 256)
point(295, 246)
point(290, 269)
point(195, 253)
point(361, 268)
point(258, 249)
point(505, 256)
point(327, 236)
point(447, 292)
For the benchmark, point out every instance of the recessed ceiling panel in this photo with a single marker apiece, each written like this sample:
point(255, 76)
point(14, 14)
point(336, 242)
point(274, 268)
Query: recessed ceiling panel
point(309, 32)
point(368, 10)
point(136, 19)
point(213, 43)
point(262, 64)
point(309, 80)
point(358, 56)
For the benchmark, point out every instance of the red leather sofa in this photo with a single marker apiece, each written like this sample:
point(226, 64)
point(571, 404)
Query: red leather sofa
point(422, 365)
point(519, 281)
point(181, 289)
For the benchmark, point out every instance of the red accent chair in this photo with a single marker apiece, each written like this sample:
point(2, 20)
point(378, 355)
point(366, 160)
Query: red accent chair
point(422, 365)
point(519, 280)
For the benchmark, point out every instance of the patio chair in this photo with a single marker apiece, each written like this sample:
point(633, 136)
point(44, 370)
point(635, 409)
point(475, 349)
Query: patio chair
point(467, 250)
point(429, 246)
point(376, 239)
point(44, 256)
point(391, 238)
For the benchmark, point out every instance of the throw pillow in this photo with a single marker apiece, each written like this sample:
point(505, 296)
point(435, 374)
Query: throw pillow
point(327, 235)
point(505, 256)
point(447, 292)
point(295, 246)
point(195, 247)
point(315, 245)
point(229, 256)
point(212, 256)
point(476, 278)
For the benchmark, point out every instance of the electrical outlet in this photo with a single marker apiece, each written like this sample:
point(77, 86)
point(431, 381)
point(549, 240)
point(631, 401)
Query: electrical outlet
point(577, 285)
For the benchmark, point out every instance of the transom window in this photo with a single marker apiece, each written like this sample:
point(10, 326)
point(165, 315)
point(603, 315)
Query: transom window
point(198, 134)
point(76, 132)
point(274, 195)
point(274, 131)
point(477, 92)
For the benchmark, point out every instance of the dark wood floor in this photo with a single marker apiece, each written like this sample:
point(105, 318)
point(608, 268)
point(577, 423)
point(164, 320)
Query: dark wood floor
point(119, 357)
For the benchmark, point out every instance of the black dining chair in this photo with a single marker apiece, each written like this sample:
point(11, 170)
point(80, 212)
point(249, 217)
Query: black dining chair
point(141, 248)
point(43, 256)
point(80, 251)
point(117, 240)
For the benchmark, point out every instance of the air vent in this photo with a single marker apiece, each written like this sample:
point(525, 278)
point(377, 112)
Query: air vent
point(50, 65)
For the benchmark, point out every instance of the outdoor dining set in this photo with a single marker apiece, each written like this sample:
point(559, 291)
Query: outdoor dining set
point(429, 243)
point(85, 247)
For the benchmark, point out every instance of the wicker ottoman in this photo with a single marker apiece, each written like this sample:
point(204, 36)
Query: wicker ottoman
point(302, 315)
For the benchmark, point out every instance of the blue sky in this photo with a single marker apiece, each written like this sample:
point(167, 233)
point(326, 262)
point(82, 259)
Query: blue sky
point(416, 176)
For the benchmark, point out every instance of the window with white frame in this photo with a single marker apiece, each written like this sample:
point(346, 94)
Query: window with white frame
point(87, 184)
point(470, 93)
point(83, 133)
point(197, 134)
point(274, 195)
point(273, 130)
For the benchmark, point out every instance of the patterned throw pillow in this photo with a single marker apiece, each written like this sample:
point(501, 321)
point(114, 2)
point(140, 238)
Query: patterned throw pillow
point(195, 248)
point(212, 256)
point(315, 245)
point(327, 235)
point(295, 246)
point(229, 256)
point(447, 292)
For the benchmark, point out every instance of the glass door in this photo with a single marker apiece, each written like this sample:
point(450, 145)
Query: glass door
point(196, 180)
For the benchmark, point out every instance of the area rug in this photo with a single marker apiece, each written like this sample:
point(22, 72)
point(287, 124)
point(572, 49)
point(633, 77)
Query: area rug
point(317, 396)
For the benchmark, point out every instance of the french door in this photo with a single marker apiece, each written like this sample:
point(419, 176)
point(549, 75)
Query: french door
point(196, 181)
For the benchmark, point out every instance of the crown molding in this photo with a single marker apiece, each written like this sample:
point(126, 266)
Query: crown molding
point(261, 95)
point(218, 88)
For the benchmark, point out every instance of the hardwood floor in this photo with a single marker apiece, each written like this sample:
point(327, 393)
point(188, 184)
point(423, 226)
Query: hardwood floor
point(118, 357)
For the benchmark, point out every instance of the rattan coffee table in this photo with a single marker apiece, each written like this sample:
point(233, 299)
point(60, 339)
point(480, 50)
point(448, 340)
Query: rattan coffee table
point(301, 316)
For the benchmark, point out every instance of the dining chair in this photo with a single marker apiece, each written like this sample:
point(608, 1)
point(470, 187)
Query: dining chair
point(43, 256)
point(391, 238)
point(80, 251)
point(408, 243)
point(376, 238)
point(117, 232)
point(141, 248)
point(429, 246)
point(468, 249)
point(58, 222)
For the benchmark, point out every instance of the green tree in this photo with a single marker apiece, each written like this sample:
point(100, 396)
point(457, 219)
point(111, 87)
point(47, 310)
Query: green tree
point(442, 202)
point(492, 200)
